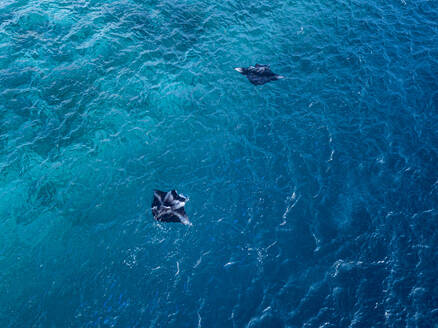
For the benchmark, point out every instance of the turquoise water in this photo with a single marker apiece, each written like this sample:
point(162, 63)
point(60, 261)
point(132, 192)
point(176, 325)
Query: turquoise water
point(313, 199)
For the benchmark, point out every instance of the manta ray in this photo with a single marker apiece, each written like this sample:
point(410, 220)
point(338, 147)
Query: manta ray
point(259, 74)
point(169, 207)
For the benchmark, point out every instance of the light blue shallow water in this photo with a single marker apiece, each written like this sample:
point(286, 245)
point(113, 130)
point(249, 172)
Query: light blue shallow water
point(314, 199)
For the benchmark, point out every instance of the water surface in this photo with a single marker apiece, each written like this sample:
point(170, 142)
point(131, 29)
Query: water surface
point(313, 199)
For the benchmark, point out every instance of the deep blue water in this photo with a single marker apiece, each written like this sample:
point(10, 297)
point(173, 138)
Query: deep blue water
point(314, 199)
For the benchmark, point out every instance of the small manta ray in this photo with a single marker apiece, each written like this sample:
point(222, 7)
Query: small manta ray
point(169, 207)
point(259, 74)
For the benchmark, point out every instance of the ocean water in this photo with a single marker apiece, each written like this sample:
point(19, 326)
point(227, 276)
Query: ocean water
point(314, 199)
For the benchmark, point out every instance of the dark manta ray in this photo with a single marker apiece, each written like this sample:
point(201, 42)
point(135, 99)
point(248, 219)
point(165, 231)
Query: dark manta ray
point(259, 74)
point(169, 207)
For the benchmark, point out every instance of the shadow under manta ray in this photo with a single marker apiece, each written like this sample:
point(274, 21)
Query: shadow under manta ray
point(169, 207)
point(259, 74)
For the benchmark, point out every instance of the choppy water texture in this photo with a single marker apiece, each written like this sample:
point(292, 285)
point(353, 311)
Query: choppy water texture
point(313, 199)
